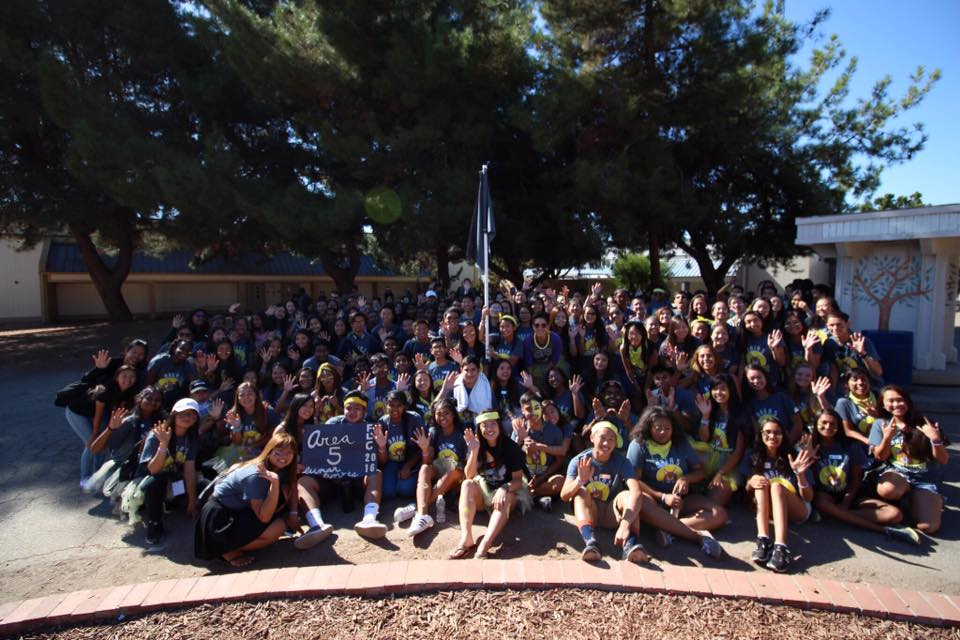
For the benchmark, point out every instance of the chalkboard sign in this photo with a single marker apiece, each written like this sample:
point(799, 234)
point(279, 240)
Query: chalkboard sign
point(340, 450)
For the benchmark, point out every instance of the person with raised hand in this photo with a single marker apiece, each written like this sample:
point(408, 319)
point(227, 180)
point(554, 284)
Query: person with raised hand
point(721, 440)
point(493, 480)
point(782, 488)
point(314, 489)
point(246, 510)
point(444, 453)
point(913, 450)
point(600, 483)
point(838, 474)
point(666, 467)
point(168, 459)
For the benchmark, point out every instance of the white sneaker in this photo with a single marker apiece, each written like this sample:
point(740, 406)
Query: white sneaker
point(421, 524)
point(370, 528)
point(313, 536)
point(402, 514)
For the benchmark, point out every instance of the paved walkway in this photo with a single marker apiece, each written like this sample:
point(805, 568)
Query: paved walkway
point(405, 577)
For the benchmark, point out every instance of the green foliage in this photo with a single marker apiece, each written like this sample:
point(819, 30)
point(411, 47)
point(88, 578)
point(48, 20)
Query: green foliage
point(632, 271)
point(232, 125)
point(888, 201)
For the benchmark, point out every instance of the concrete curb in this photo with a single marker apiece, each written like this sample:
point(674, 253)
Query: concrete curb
point(418, 576)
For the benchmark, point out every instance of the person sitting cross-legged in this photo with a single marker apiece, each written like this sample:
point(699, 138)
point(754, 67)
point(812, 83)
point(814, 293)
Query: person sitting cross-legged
point(594, 483)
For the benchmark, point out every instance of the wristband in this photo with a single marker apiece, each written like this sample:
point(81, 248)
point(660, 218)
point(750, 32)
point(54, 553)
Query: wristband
point(936, 443)
point(663, 498)
point(293, 513)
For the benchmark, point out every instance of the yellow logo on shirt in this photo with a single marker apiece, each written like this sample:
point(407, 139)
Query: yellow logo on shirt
point(598, 490)
point(396, 450)
point(669, 473)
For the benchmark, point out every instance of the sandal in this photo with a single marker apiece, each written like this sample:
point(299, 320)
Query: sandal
point(460, 552)
point(238, 562)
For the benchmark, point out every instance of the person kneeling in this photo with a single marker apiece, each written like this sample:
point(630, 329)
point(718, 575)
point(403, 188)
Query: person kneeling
point(594, 480)
point(245, 512)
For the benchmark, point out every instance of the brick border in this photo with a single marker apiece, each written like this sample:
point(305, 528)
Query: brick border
point(418, 576)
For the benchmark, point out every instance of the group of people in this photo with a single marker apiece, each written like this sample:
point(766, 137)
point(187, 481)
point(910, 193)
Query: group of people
point(638, 410)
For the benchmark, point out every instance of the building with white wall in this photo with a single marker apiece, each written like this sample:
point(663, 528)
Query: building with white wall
point(896, 271)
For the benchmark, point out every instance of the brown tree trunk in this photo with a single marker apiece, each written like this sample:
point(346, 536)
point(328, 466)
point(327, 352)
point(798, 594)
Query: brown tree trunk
point(341, 266)
point(656, 276)
point(108, 282)
point(442, 255)
point(883, 321)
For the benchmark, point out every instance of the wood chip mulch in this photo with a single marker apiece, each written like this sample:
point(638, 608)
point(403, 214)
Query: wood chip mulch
point(555, 614)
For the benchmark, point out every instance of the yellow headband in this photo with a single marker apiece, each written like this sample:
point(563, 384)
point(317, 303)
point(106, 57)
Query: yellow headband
point(359, 401)
point(511, 319)
point(608, 425)
point(483, 417)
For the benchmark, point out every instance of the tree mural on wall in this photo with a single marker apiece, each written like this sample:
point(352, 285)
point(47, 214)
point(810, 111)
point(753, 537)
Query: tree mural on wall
point(885, 281)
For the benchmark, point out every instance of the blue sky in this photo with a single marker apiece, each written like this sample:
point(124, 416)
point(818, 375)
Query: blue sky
point(893, 37)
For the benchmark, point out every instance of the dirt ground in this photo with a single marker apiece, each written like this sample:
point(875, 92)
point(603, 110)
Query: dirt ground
point(560, 614)
point(55, 538)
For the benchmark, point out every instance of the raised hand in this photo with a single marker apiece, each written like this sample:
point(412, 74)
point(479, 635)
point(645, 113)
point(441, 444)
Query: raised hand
point(216, 408)
point(596, 289)
point(227, 383)
point(704, 406)
point(101, 359)
point(232, 309)
point(266, 474)
point(803, 460)
point(585, 470)
point(162, 432)
point(233, 419)
point(519, 429)
point(289, 383)
point(470, 439)
point(403, 382)
point(361, 302)
point(177, 321)
point(775, 338)
point(363, 382)
point(419, 361)
point(526, 380)
point(264, 355)
point(212, 362)
point(624, 412)
point(456, 355)
point(930, 429)
point(810, 340)
point(116, 417)
point(379, 436)
point(449, 381)
point(576, 383)
point(682, 360)
point(859, 343)
point(597, 407)
point(821, 385)
point(422, 439)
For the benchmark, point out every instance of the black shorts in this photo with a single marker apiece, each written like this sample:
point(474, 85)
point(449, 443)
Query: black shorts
point(220, 530)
